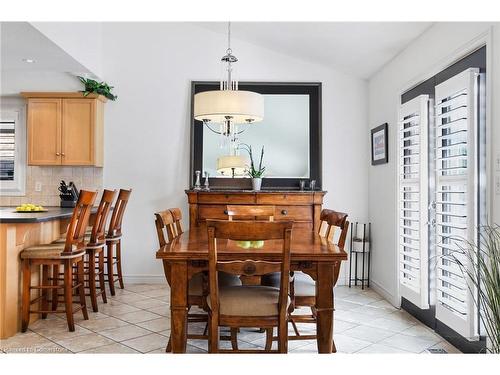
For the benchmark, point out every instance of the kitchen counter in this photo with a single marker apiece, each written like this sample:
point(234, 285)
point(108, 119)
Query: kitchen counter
point(9, 215)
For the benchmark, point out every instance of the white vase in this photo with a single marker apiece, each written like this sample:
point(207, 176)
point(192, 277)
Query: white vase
point(256, 183)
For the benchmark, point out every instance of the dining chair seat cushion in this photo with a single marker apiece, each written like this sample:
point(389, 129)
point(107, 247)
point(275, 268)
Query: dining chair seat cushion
point(225, 279)
point(48, 251)
point(248, 300)
point(304, 285)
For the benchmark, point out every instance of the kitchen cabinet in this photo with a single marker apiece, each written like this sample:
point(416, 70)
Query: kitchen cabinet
point(65, 129)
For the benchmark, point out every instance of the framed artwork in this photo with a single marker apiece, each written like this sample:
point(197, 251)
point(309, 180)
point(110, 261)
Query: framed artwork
point(380, 145)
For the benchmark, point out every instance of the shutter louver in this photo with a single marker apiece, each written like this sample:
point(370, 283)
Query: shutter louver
point(413, 201)
point(456, 196)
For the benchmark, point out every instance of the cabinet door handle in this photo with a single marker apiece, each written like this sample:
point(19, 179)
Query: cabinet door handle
point(284, 212)
point(63, 154)
point(57, 154)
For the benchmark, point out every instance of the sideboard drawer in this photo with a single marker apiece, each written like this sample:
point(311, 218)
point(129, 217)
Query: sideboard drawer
point(278, 198)
point(212, 211)
point(295, 213)
point(226, 198)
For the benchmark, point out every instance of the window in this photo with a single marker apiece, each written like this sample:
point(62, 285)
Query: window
point(12, 153)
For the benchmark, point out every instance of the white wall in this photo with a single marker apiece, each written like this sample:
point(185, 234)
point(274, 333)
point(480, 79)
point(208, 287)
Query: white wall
point(147, 129)
point(81, 40)
point(432, 50)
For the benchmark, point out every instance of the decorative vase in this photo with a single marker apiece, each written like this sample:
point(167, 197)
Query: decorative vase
point(256, 183)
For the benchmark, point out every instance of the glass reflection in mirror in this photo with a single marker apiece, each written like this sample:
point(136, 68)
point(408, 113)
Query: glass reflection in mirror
point(284, 133)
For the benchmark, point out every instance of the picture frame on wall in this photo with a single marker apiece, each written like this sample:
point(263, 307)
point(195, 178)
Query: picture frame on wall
point(380, 144)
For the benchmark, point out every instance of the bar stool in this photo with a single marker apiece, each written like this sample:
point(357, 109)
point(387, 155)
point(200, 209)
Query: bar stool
point(113, 241)
point(96, 242)
point(68, 254)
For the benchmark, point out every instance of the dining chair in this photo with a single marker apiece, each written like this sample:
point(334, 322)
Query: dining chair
point(250, 212)
point(114, 241)
point(168, 226)
point(248, 305)
point(303, 287)
point(50, 257)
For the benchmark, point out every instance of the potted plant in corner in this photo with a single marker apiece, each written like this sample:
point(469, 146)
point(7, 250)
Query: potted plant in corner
point(479, 263)
point(253, 172)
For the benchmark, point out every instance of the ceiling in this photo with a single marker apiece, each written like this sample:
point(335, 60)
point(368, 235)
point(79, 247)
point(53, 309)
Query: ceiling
point(53, 67)
point(357, 48)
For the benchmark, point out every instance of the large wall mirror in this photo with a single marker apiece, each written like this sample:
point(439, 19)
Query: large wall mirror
point(290, 134)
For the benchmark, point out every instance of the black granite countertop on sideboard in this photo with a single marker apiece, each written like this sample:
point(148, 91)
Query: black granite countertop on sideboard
point(9, 215)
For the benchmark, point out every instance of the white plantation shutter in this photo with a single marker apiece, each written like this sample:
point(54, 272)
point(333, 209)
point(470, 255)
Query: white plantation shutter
point(457, 132)
point(414, 201)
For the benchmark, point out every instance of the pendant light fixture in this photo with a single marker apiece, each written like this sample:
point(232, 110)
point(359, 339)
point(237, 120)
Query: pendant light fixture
point(228, 107)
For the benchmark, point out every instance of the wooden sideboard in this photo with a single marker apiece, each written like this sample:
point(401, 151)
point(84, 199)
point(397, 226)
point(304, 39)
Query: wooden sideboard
point(303, 207)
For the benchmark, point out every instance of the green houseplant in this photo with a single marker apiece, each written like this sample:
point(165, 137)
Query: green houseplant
point(93, 86)
point(480, 265)
point(252, 171)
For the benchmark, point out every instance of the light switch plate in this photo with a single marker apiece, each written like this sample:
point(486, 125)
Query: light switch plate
point(497, 162)
point(38, 186)
point(497, 184)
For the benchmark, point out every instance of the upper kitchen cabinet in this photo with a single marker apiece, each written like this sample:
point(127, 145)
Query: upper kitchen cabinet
point(65, 128)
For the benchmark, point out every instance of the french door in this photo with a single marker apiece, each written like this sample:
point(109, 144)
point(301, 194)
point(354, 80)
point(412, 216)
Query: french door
point(441, 204)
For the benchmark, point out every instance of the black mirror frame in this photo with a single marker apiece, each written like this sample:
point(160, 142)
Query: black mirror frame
point(313, 89)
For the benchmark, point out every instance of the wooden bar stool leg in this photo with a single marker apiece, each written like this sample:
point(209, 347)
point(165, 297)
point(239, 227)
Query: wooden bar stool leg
point(169, 345)
point(234, 338)
point(26, 295)
point(68, 294)
point(282, 337)
point(81, 287)
point(45, 292)
point(111, 279)
point(119, 262)
point(55, 282)
point(102, 286)
point(93, 292)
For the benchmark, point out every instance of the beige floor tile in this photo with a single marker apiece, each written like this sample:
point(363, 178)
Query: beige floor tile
point(123, 333)
point(147, 343)
point(130, 297)
point(157, 293)
point(380, 349)
point(373, 311)
point(138, 316)
point(353, 317)
point(368, 333)
point(115, 348)
point(139, 288)
point(409, 343)
point(419, 330)
point(117, 309)
point(102, 324)
point(341, 326)
point(84, 342)
point(62, 332)
point(163, 310)
point(156, 325)
point(92, 316)
point(165, 332)
point(389, 324)
point(148, 303)
point(348, 344)
point(360, 298)
point(342, 305)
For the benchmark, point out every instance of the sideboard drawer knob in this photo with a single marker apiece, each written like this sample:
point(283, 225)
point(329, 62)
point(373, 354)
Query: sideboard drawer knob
point(226, 212)
point(284, 212)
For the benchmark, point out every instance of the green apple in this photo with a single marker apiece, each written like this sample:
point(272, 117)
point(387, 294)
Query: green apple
point(258, 244)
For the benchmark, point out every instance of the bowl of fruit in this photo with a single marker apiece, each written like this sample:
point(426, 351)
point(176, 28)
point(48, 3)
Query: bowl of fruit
point(28, 207)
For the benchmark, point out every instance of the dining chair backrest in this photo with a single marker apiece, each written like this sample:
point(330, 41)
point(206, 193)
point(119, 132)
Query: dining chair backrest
point(177, 216)
point(247, 212)
point(115, 224)
point(75, 235)
point(165, 223)
point(333, 220)
point(98, 234)
point(249, 231)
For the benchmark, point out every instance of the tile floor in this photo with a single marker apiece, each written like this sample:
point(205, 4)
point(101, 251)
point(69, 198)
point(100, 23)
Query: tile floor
point(136, 320)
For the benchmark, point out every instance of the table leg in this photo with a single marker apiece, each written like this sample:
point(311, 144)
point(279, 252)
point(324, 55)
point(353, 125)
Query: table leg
point(178, 306)
point(324, 307)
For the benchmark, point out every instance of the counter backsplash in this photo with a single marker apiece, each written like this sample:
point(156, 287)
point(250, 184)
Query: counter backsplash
point(88, 178)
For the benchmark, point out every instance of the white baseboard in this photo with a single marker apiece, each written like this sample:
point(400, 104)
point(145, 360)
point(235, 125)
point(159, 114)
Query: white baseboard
point(144, 279)
point(384, 293)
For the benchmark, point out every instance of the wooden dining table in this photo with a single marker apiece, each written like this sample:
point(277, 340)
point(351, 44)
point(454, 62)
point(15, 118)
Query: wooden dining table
point(311, 253)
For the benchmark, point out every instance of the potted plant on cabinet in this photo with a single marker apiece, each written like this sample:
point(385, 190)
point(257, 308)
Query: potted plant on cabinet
point(255, 173)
